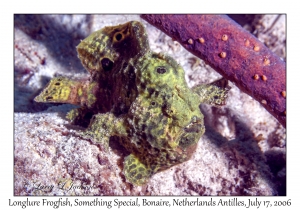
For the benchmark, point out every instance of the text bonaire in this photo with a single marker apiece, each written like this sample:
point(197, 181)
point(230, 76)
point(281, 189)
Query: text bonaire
point(137, 202)
point(60, 202)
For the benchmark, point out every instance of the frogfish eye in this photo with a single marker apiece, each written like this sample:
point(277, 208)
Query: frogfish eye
point(118, 36)
point(161, 70)
point(107, 64)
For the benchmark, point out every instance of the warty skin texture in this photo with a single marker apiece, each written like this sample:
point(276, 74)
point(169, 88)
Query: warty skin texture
point(138, 97)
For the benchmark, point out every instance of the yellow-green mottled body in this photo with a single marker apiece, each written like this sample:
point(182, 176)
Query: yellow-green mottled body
point(138, 97)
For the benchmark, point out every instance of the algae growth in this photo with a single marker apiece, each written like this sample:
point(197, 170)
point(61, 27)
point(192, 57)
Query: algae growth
point(136, 96)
